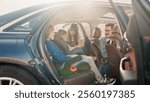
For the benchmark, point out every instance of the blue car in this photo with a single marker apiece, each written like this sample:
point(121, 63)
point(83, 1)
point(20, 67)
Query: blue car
point(24, 59)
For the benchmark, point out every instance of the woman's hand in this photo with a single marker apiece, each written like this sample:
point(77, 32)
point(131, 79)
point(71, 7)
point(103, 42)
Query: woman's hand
point(80, 43)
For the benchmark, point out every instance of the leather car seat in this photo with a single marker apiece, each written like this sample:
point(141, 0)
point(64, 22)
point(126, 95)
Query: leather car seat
point(96, 46)
point(78, 78)
point(115, 54)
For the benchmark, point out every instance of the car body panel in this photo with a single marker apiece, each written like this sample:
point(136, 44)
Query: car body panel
point(13, 46)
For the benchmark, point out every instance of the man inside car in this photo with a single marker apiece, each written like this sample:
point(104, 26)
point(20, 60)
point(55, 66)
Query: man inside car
point(108, 31)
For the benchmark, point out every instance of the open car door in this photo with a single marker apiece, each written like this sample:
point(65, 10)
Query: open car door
point(138, 34)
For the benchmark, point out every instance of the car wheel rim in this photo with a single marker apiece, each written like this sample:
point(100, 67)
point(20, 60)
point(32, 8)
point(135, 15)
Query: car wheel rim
point(9, 81)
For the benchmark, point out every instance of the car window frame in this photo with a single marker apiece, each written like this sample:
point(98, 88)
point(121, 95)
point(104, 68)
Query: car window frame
point(24, 21)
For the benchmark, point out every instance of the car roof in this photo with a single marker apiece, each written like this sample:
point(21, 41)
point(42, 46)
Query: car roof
point(86, 12)
point(79, 11)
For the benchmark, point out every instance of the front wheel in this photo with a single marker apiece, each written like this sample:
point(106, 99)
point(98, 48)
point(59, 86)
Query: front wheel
point(13, 75)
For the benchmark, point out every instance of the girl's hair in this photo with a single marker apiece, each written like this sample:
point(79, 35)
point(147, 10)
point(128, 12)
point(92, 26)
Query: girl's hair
point(76, 35)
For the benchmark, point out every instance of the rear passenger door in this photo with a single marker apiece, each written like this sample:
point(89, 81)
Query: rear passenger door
point(138, 34)
point(142, 21)
point(126, 76)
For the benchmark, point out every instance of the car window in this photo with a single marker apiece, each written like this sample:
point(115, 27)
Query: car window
point(126, 4)
point(124, 11)
point(29, 25)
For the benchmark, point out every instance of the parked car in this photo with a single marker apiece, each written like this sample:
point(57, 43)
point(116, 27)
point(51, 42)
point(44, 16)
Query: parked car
point(24, 58)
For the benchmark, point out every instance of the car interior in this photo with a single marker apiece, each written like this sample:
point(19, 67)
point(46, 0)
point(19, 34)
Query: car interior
point(84, 77)
point(115, 45)
point(114, 55)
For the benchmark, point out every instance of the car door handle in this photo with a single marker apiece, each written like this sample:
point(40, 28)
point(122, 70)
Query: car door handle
point(122, 63)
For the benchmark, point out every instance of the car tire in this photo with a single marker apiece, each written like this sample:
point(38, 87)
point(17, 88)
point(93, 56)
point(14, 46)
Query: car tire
point(20, 75)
